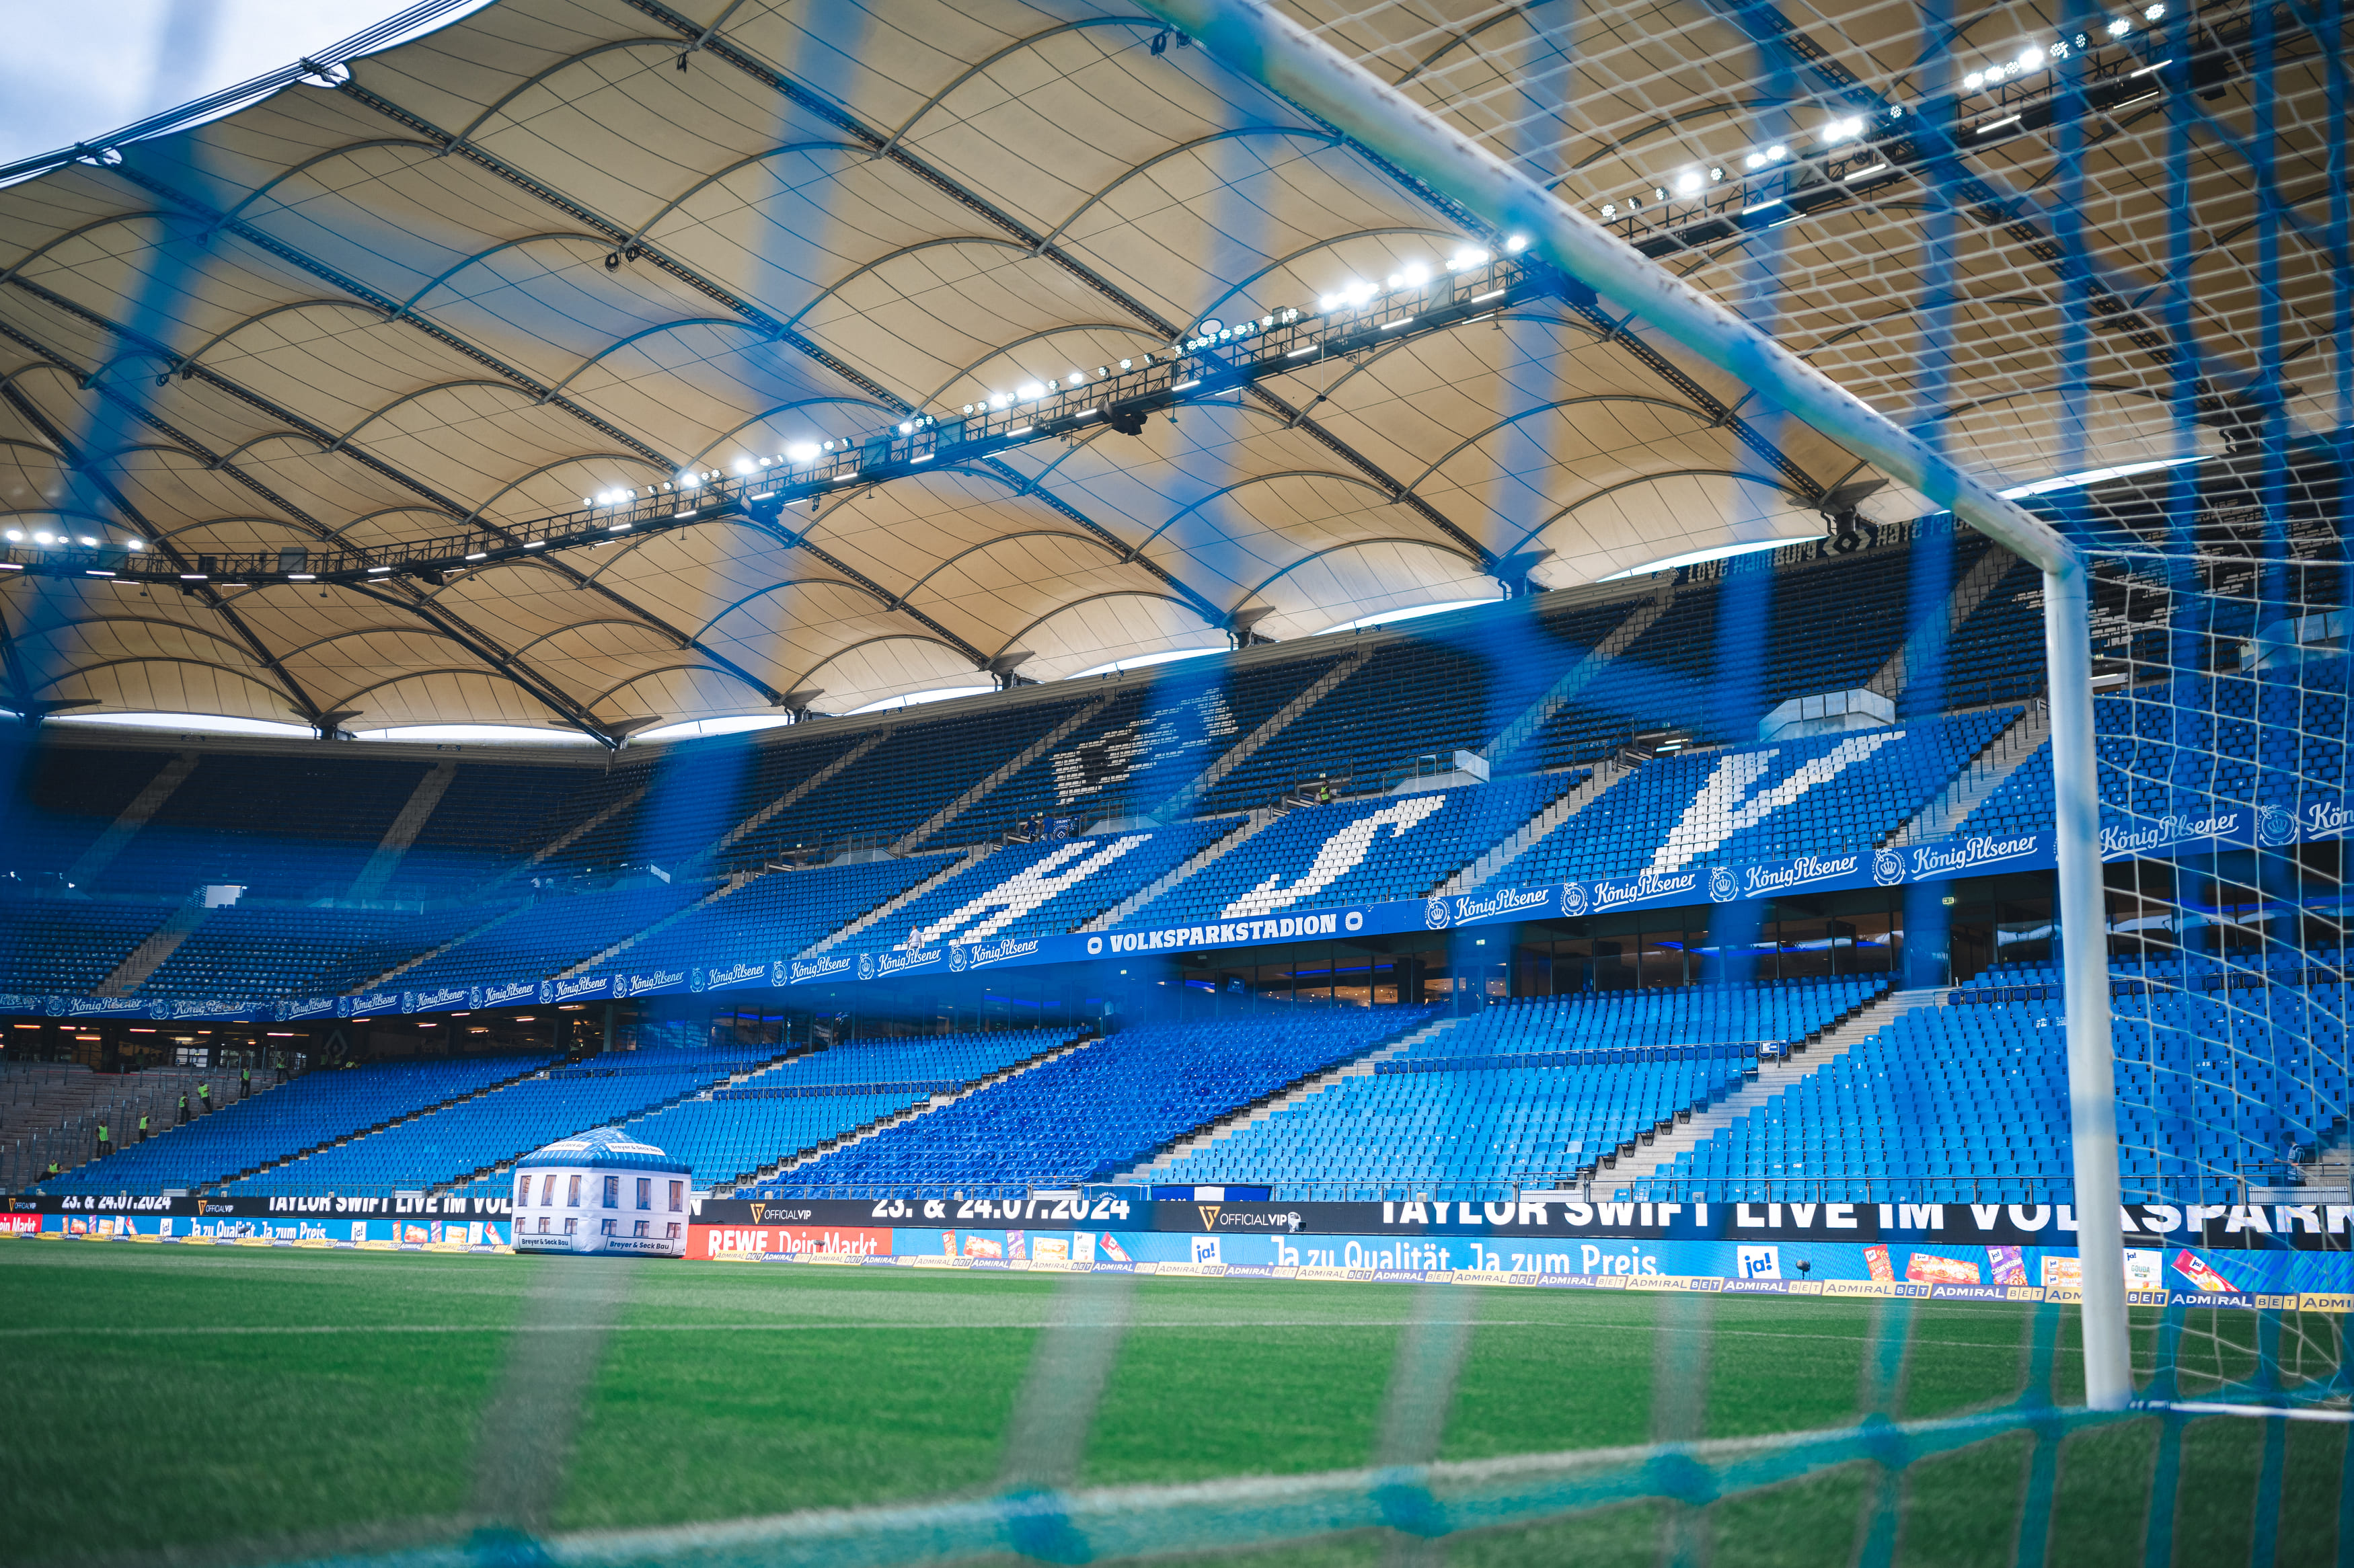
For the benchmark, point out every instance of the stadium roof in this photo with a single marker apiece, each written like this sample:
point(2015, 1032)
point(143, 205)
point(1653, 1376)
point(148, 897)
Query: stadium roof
point(561, 248)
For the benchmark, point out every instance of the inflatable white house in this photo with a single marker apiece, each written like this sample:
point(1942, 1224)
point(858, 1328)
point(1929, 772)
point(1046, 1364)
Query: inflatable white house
point(602, 1192)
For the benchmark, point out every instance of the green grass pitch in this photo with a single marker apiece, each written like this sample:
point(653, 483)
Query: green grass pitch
point(231, 1406)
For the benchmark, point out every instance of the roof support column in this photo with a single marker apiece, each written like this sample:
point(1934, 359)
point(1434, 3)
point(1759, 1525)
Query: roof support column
point(1265, 47)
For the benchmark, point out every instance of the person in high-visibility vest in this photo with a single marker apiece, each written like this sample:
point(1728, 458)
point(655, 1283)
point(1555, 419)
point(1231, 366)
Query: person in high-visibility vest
point(205, 1095)
point(184, 1107)
point(142, 1127)
point(102, 1138)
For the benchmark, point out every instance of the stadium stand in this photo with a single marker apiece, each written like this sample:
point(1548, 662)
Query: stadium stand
point(1523, 1095)
point(1100, 1109)
point(1140, 751)
point(732, 1132)
point(69, 797)
point(1819, 795)
point(1968, 1103)
point(1058, 885)
point(458, 1140)
point(300, 952)
point(553, 933)
point(279, 827)
point(317, 1108)
point(471, 831)
point(777, 915)
point(2176, 747)
point(1399, 846)
point(56, 946)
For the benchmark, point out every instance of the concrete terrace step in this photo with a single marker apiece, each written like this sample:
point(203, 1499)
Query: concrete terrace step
point(1182, 804)
point(1928, 642)
point(860, 1134)
point(897, 901)
point(1258, 1110)
point(1580, 675)
point(1244, 830)
point(1985, 773)
point(148, 957)
point(739, 880)
point(1773, 1076)
point(402, 833)
point(793, 796)
point(135, 816)
point(408, 964)
point(987, 786)
point(1606, 775)
point(628, 799)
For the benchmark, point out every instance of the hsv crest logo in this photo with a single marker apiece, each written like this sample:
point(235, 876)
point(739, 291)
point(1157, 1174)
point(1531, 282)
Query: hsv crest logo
point(1887, 868)
point(1209, 1216)
point(2275, 826)
point(1724, 888)
point(865, 966)
point(957, 959)
point(1435, 914)
point(1573, 899)
point(694, 980)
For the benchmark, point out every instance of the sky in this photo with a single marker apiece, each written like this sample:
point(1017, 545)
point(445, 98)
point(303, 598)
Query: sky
point(75, 70)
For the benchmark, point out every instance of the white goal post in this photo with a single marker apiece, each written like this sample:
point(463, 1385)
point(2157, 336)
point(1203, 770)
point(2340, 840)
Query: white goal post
point(1263, 46)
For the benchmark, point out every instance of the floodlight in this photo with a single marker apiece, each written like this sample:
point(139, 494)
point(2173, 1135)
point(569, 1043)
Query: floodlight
point(802, 451)
point(2121, 27)
point(135, 544)
point(1688, 181)
point(1415, 275)
point(1975, 80)
point(1658, 193)
point(1777, 152)
point(2030, 58)
point(742, 465)
point(1030, 392)
point(89, 543)
point(15, 536)
point(45, 538)
point(906, 429)
point(2152, 13)
point(1123, 364)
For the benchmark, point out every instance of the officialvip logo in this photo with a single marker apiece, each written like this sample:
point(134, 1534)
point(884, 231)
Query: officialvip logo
point(757, 1210)
point(1209, 1216)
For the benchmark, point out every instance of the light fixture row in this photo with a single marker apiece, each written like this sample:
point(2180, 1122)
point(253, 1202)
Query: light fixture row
point(68, 540)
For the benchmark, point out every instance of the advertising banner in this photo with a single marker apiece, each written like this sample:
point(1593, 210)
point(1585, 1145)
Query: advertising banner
point(1537, 1217)
point(1886, 867)
point(2240, 827)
